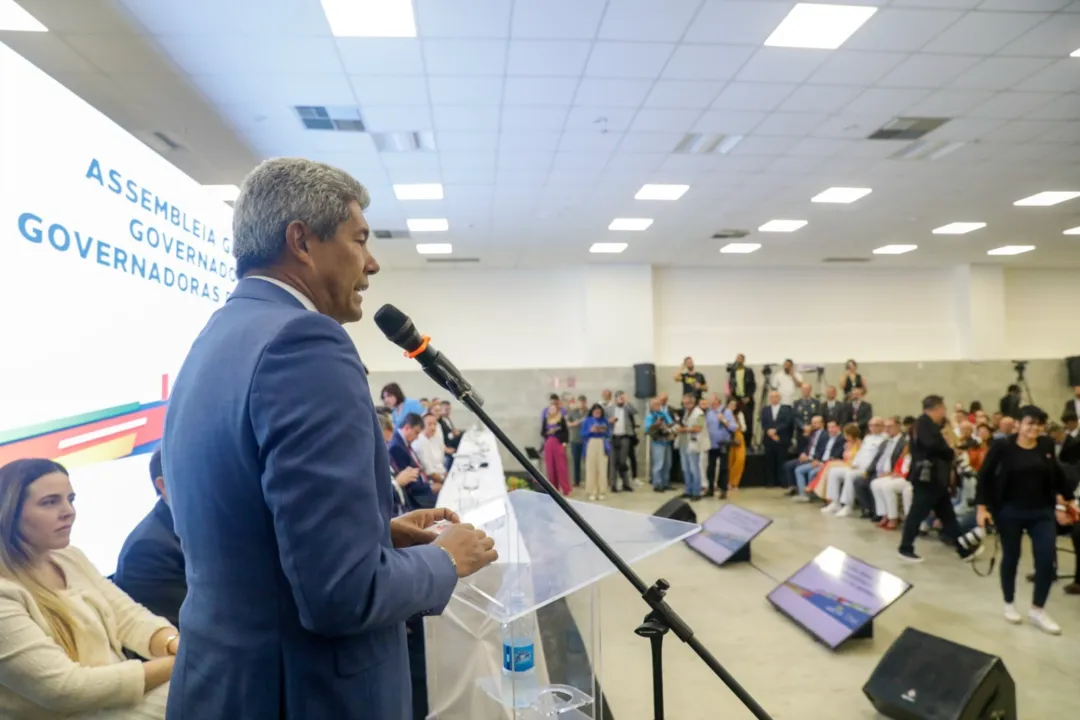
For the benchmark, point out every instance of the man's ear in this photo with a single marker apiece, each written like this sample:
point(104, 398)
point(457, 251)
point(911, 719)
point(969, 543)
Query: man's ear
point(159, 483)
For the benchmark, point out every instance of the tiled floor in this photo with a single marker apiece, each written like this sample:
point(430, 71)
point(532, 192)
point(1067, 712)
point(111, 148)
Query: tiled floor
point(793, 677)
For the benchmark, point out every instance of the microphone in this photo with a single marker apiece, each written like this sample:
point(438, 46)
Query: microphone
point(399, 329)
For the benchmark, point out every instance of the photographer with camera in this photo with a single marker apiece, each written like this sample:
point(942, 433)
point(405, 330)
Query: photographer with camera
point(1023, 488)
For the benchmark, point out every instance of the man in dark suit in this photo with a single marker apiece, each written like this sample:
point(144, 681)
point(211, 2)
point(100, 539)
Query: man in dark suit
point(778, 426)
point(1009, 405)
point(829, 446)
point(151, 564)
point(806, 440)
point(299, 581)
point(857, 410)
point(831, 408)
point(422, 492)
point(742, 385)
point(885, 459)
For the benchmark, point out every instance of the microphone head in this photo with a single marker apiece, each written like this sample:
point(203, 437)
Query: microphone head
point(397, 327)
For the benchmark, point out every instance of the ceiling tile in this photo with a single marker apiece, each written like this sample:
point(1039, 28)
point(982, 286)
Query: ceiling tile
point(1062, 132)
point(706, 62)
point(790, 124)
point(754, 145)
point(285, 90)
point(1054, 37)
point(820, 98)
point(466, 160)
point(203, 55)
point(774, 64)
point(688, 162)
point(649, 142)
point(420, 167)
point(473, 19)
point(664, 120)
point(383, 90)
point(924, 70)
point(87, 53)
point(612, 119)
point(551, 58)
point(396, 119)
point(528, 141)
point(1019, 131)
point(534, 117)
point(967, 128)
point(728, 122)
point(885, 100)
point(380, 56)
point(1066, 107)
point(999, 73)
point(525, 160)
point(539, 91)
point(576, 177)
point(249, 17)
point(947, 103)
point(1024, 5)
point(848, 125)
point(530, 177)
point(850, 67)
point(466, 118)
point(628, 60)
point(752, 96)
point(590, 141)
point(1010, 105)
point(447, 56)
point(580, 160)
point(614, 93)
point(1062, 76)
point(737, 23)
point(647, 20)
point(683, 93)
point(466, 90)
point(983, 32)
point(557, 19)
point(902, 29)
point(466, 141)
point(794, 165)
point(819, 147)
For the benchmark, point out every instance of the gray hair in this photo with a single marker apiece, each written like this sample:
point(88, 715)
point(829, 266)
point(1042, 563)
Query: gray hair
point(283, 190)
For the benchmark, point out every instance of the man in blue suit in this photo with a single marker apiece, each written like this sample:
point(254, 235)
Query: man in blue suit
point(299, 583)
point(829, 446)
point(421, 492)
point(778, 427)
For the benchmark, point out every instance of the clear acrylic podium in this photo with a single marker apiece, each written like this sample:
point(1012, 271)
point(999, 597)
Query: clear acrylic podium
point(543, 559)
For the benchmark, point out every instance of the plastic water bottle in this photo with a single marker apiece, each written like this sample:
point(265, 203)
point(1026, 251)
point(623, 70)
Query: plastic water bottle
point(520, 684)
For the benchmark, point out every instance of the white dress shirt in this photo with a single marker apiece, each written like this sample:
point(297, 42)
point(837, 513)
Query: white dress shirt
point(865, 456)
point(429, 454)
point(787, 385)
point(301, 297)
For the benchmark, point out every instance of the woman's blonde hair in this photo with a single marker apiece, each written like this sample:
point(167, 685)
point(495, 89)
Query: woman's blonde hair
point(15, 557)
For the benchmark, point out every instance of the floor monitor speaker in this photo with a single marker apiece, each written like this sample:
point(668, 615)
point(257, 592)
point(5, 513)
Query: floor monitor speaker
point(923, 677)
point(677, 509)
point(645, 380)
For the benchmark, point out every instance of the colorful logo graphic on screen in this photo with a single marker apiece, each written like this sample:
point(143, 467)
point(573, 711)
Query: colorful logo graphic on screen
point(91, 437)
point(847, 612)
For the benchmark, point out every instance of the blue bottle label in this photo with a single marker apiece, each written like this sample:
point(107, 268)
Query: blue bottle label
point(517, 658)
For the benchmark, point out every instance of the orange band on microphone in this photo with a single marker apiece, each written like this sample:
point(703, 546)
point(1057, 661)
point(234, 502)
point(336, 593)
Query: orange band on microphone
point(423, 346)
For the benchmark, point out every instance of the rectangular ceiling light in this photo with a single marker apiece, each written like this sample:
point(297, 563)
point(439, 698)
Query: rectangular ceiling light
point(1075, 53)
point(419, 191)
point(427, 224)
point(607, 247)
point(1072, 231)
point(740, 248)
point(782, 226)
point(958, 228)
point(224, 193)
point(630, 224)
point(1050, 197)
point(841, 195)
point(14, 18)
point(814, 25)
point(661, 192)
point(434, 248)
point(895, 249)
point(1011, 250)
point(370, 18)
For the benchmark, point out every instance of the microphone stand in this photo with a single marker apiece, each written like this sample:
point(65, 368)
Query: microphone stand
point(661, 618)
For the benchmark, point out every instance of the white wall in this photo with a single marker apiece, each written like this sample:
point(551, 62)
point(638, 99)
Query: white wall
point(1042, 314)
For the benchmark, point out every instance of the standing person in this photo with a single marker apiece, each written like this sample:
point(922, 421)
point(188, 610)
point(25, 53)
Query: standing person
point(778, 425)
point(400, 406)
point(737, 450)
point(787, 382)
point(1009, 405)
point(721, 425)
point(807, 406)
point(1021, 488)
point(1072, 405)
point(304, 615)
point(693, 382)
point(857, 411)
point(658, 426)
point(691, 423)
point(623, 429)
point(852, 379)
point(596, 432)
point(556, 434)
point(574, 419)
point(931, 465)
point(743, 386)
point(831, 408)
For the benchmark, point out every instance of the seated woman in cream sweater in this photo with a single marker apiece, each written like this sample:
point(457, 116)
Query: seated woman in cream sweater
point(63, 627)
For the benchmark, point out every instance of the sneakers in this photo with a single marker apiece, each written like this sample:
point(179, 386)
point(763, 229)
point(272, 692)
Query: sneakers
point(909, 556)
point(1012, 615)
point(830, 509)
point(592, 498)
point(845, 511)
point(1044, 622)
point(603, 497)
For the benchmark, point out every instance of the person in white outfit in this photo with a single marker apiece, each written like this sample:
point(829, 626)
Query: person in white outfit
point(886, 489)
point(840, 483)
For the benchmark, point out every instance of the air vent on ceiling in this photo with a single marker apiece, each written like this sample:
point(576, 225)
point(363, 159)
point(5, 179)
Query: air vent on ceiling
point(845, 260)
point(927, 149)
point(404, 142)
point(730, 234)
point(392, 234)
point(319, 117)
point(706, 144)
point(167, 141)
point(453, 261)
point(907, 128)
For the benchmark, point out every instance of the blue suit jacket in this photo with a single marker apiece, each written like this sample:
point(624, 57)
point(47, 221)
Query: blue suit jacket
point(151, 565)
point(277, 474)
point(418, 494)
point(835, 452)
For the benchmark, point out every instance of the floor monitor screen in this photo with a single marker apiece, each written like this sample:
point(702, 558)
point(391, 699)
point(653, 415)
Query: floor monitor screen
point(835, 595)
point(726, 532)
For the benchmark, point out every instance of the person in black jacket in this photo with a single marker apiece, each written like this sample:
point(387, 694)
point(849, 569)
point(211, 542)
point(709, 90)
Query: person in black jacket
point(931, 464)
point(1022, 488)
point(742, 385)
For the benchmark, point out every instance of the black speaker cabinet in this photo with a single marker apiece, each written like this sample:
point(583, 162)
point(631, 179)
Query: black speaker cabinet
point(1072, 364)
point(923, 677)
point(645, 380)
point(677, 509)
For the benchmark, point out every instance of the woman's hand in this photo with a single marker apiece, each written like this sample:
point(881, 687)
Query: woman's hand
point(982, 516)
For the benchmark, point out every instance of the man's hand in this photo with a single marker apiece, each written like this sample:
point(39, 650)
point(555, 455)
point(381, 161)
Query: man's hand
point(773, 434)
point(804, 458)
point(472, 549)
point(406, 476)
point(815, 463)
point(412, 528)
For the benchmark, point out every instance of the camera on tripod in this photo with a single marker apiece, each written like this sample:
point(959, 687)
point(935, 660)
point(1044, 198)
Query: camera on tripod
point(1020, 366)
point(766, 371)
